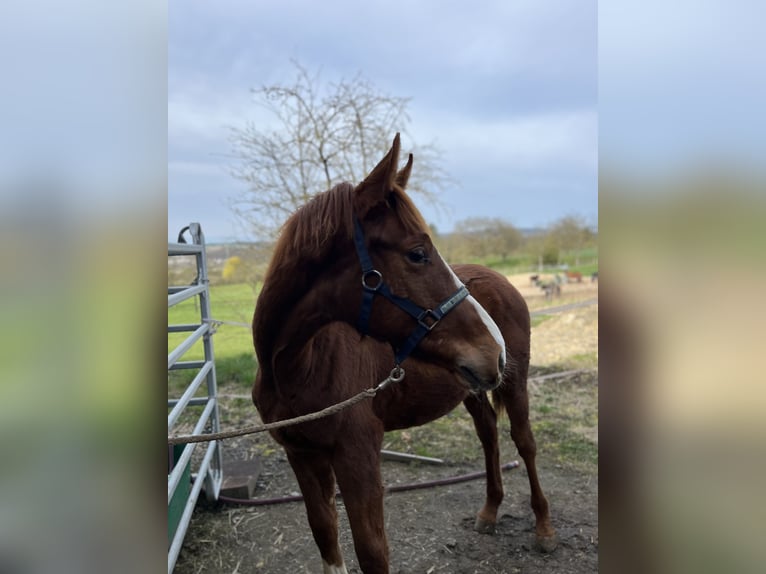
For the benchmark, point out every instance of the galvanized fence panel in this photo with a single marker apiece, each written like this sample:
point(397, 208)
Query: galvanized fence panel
point(208, 471)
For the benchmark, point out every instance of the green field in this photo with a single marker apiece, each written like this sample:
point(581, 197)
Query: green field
point(586, 259)
point(232, 344)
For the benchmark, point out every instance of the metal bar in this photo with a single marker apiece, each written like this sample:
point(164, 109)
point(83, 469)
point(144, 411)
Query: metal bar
point(193, 402)
point(178, 352)
point(183, 328)
point(187, 293)
point(187, 365)
point(188, 394)
point(183, 523)
point(404, 457)
point(560, 374)
point(205, 314)
point(175, 476)
point(184, 249)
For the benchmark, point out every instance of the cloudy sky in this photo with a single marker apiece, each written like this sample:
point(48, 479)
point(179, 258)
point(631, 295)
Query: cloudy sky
point(681, 85)
point(508, 91)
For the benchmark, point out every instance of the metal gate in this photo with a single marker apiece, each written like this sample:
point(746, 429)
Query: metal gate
point(207, 470)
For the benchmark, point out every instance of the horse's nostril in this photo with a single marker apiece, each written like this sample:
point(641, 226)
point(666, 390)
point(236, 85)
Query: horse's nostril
point(501, 363)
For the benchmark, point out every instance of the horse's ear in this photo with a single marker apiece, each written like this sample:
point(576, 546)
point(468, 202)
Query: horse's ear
point(404, 175)
point(376, 187)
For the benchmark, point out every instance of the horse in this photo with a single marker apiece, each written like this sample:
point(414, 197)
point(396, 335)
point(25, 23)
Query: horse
point(574, 276)
point(320, 337)
point(551, 289)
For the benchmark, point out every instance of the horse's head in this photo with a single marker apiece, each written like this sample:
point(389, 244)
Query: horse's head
point(456, 332)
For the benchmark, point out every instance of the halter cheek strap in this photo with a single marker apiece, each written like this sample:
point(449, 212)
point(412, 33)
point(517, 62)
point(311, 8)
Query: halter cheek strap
point(372, 284)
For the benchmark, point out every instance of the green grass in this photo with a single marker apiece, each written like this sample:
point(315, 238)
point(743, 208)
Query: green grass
point(586, 269)
point(511, 265)
point(227, 303)
point(564, 416)
point(527, 263)
point(537, 319)
point(232, 344)
point(555, 438)
point(583, 361)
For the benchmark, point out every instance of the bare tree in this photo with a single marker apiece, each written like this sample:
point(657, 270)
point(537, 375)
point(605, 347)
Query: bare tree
point(324, 135)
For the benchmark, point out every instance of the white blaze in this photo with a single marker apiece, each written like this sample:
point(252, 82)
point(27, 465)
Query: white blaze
point(488, 321)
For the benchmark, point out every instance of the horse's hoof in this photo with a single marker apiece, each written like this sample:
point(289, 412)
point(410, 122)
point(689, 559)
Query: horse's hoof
point(484, 526)
point(546, 544)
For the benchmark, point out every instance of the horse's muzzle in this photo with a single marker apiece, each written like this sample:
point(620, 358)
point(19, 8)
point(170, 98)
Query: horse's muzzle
point(479, 381)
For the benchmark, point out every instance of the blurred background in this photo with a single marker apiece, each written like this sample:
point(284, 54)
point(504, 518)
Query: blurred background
point(681, 214)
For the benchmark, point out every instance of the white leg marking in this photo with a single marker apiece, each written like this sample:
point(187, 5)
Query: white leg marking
point(488, 321)
point(331, 569)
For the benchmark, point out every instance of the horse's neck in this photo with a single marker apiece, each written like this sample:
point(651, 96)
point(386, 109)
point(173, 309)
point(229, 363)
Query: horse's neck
point(289, 313)
point(303, 321)
point(283, 288)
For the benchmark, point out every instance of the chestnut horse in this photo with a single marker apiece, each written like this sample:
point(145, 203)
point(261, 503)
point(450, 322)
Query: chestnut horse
point(322, 335)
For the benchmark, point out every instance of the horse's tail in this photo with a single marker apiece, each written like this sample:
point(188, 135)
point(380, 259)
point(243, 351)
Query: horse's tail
point(515, 375)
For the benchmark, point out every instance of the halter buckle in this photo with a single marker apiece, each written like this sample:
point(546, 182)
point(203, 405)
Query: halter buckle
point(425, 317)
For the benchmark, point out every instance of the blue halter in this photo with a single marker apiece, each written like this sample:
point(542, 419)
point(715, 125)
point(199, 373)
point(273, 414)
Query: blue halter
point(372, 283)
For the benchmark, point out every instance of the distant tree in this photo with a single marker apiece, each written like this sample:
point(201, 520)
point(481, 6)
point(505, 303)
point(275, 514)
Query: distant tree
point(551, 253)
point(486, 236)
point(507, 238)
point(325, 134)
point(569, 233)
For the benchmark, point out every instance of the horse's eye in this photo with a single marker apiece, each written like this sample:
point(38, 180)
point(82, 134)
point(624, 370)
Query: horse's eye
point(418, 255)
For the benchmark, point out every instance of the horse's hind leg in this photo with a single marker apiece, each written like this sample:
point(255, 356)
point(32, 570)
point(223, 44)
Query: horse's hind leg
point(317, 483)
point(485, 422)
point(516, 401)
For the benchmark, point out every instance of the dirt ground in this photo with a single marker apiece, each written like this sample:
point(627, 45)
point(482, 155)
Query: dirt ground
point(431, 530)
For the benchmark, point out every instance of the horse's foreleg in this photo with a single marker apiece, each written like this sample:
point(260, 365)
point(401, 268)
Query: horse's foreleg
point(485, 422)
point(358, 473)
point(317, 483)
point(517, 405)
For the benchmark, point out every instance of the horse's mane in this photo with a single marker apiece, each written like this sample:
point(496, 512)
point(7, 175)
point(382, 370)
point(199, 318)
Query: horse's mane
point(306, 233)
point(408, 213)
point(305, 241)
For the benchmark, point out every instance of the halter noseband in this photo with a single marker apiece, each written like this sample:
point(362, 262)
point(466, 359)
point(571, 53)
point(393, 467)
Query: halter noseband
point(372, 283)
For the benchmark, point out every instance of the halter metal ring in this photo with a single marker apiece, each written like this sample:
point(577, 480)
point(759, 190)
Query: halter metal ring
point(397, 374)
point(372, 273)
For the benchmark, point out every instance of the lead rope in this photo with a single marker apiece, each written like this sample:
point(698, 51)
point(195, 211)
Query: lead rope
point(397, 374)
